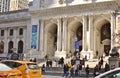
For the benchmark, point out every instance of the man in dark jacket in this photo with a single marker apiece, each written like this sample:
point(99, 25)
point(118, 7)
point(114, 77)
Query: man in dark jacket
point(87, 71)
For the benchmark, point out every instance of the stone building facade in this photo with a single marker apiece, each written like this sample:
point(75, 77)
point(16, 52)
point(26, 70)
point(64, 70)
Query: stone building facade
point(50, 27)
point(11, 5)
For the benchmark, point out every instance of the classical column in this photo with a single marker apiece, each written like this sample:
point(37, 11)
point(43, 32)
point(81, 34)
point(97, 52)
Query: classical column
point(15, 43)
point(59, 39)
point(24, 39)
point(84, 40)
point(59, 35)
point(84, 33)
point(45, 41)
point(42, 37)
point(113, 18)
point(90, 41)
point(95, 41)
point(68, 40)
point(64, 37)
point(6, 41)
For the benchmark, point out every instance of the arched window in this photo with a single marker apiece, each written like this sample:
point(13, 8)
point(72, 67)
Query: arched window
point(10, 46)
point(1, 47)
point(20, 46)
point(105, 32)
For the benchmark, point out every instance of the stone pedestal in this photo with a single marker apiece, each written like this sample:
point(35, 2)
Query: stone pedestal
point(114, 61)
point(59, 54)
point(87, 54)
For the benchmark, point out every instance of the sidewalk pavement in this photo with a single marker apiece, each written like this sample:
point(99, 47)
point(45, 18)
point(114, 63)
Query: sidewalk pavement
point(49, 76)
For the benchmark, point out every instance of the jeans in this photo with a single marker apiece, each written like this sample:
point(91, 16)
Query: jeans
point(87, 75)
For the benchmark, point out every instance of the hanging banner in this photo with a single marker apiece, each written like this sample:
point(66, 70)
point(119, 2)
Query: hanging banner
point(76, 44)
point(34, 37)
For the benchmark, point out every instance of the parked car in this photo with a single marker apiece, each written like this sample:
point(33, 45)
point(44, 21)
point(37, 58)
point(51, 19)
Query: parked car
point(28, 69)
point(115, 73)
point(7, 72)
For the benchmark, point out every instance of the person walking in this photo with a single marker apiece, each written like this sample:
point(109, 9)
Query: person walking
point(72, 72)
point(62, 61)
point(107, 67)
point(96, 70)
point(43, 68)
point(87, 69)
point(79, 68)
point(65, 70)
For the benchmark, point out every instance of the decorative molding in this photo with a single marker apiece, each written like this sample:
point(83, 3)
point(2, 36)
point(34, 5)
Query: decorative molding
point(17, 16)
point(82, 9)
point(50, 21)
point(65, 1)
point(13, 24)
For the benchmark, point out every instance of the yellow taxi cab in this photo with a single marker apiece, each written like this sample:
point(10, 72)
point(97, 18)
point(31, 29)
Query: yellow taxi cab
point(7, 72)
point(28, 69)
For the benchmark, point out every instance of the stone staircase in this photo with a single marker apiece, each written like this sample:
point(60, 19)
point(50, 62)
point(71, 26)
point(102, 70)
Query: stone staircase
point(58, 71)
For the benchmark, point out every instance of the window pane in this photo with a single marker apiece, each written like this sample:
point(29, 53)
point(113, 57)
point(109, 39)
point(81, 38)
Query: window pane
point(2, 32)
point(21, 31)
point(11, 32)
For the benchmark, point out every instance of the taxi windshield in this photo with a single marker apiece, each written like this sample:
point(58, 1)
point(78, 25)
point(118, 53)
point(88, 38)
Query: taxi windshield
point(4, 67)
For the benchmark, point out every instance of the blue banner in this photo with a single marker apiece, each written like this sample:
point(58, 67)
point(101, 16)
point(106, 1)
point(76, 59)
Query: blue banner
point(34, 37)
point(76, 44)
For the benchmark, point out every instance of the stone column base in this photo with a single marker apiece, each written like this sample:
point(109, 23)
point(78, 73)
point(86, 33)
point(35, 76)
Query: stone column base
point(114, 61)
point(59, 54)
point(87, 54)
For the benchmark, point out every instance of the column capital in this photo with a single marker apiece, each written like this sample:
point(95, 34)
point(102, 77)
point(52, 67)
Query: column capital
point(113, 14)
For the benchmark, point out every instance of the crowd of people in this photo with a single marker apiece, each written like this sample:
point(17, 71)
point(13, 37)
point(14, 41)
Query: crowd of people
point(76, 66)
point(101, 67)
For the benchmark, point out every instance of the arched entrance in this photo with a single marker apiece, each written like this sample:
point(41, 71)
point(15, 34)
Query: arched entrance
point(51, 39)
point(106, 38)
point(1, 47)
point(76, 32)
point(10, 46)
point(20, 46)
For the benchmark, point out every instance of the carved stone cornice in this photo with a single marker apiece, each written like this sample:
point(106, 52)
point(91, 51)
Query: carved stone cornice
point(14, 16)
point(82, 9)
point(13, 24)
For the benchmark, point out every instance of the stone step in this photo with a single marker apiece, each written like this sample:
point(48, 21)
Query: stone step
point(58, 73)
point(54, 69)
point(61, 69)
